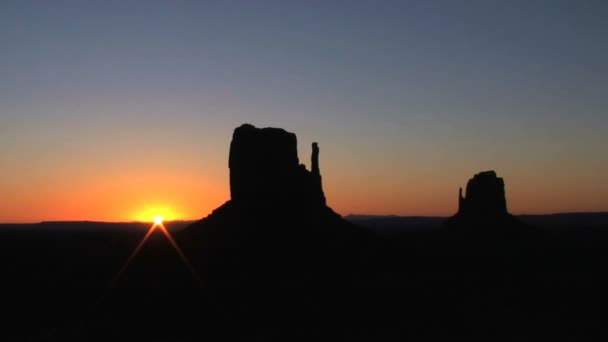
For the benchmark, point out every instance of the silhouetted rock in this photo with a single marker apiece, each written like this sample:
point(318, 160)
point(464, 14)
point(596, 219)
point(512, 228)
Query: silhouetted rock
point(274, 233)
point(483, 209)
point(265, 170)
point(277, 213)
point(270, 190)
point(485, 196)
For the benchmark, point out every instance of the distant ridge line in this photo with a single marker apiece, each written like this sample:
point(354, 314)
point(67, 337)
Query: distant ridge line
point(372, 216)
point(396, 222)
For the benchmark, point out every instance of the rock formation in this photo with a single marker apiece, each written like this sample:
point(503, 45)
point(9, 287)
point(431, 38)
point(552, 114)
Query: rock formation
point(483, 209)
point(277, 207)
point(485, 196)
point(265, 170)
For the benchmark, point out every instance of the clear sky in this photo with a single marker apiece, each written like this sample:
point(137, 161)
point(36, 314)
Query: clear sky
point(120, 110)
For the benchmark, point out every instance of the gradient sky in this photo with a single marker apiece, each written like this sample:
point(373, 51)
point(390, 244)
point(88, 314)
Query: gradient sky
point(120, 110)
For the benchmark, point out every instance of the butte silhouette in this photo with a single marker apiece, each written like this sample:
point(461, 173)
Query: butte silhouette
point(275, 248)
point(483, 210)
point(277, 222)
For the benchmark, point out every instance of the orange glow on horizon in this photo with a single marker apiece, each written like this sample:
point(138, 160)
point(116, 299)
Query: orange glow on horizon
point(137, 189)
point(158, 214)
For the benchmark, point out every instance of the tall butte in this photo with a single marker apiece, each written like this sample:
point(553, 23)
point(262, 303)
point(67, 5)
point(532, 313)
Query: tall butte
point(277, 211)
point(265, 171)
point(483, 209)
point(485, 196)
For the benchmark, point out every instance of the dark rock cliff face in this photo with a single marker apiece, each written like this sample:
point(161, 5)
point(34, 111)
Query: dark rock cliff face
point(277, 212)
point(265, 170)
point(276, 233)
point(483, 209)
point(485, 196)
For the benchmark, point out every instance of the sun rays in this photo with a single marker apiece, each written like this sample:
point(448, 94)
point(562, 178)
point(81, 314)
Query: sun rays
point(157, 225)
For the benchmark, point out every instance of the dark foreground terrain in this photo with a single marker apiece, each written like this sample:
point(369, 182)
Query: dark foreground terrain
point(418, 284)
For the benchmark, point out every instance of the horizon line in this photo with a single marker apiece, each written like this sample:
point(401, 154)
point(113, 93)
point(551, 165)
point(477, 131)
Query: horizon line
point(347, 215)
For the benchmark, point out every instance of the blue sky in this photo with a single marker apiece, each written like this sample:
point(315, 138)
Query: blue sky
point(407, 99)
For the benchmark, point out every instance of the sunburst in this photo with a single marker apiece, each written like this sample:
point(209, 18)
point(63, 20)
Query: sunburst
point(158, 224)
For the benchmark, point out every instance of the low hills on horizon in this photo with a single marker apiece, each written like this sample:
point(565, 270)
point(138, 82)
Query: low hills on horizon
point(538, 220)
point(392, 221)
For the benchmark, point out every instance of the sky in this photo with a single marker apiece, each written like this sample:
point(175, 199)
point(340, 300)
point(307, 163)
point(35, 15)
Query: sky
point(121, 110)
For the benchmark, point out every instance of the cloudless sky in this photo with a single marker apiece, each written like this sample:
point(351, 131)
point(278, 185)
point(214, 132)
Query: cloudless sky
point(120, 110)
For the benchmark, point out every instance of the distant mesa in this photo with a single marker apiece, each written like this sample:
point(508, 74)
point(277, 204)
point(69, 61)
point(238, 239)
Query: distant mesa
point(485, 196)
point(483, 209)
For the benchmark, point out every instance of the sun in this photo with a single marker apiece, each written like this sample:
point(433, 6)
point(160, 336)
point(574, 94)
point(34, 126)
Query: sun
point(156, 214)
